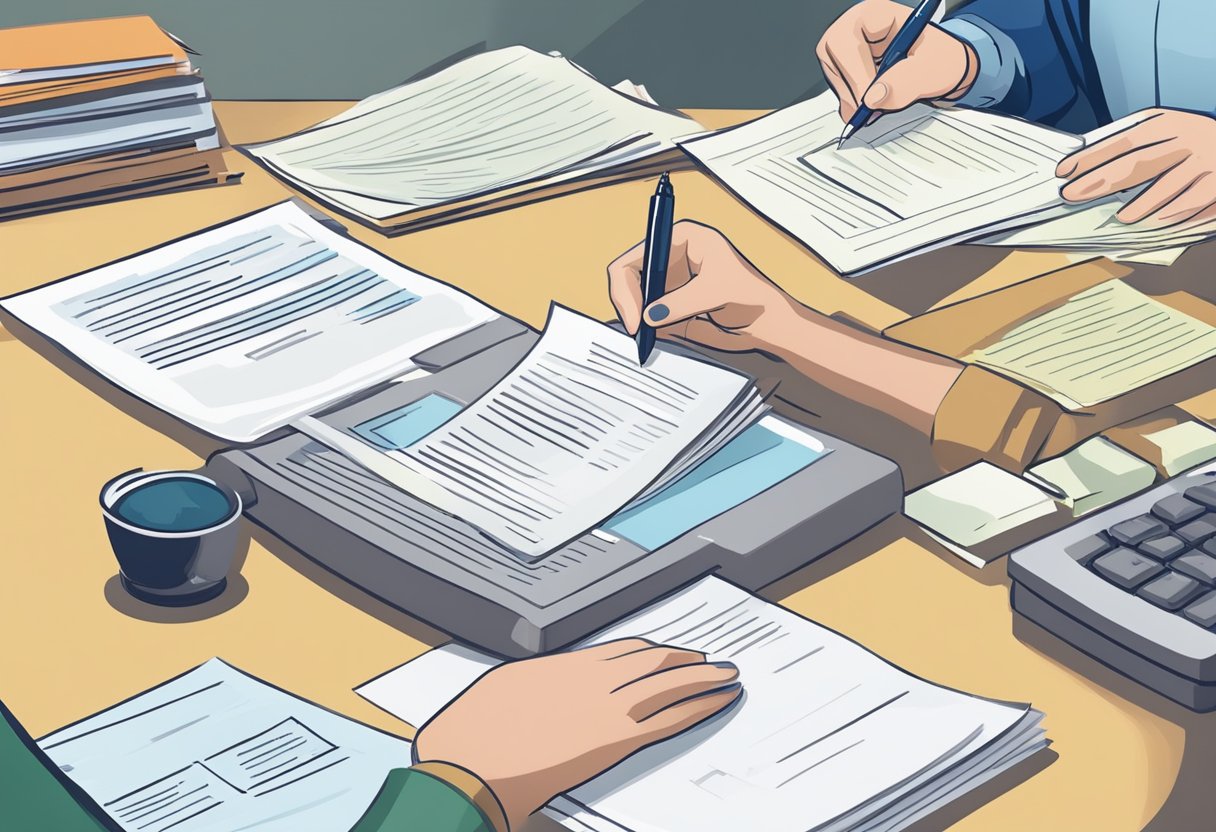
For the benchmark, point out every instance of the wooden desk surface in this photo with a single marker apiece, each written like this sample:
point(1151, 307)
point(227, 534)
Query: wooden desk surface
point(74, 643)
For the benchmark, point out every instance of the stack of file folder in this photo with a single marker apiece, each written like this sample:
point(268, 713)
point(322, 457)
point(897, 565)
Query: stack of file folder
point(98, 110)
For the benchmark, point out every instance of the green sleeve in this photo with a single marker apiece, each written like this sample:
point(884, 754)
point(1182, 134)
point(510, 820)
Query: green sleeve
point(410, 801)
point(32, 795)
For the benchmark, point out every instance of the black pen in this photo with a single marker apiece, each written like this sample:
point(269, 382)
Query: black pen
point(655, 255)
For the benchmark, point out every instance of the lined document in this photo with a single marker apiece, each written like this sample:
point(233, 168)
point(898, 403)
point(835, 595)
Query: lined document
point(828, 735)
point(490, 122)
point(1100, 344)
point(244, 328)
point(215, 750)
point(912, 181)
point(574, 433)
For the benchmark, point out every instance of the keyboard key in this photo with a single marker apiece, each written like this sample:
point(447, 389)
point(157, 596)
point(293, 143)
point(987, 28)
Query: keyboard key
point(1163, 548)
point(1199, 566)
point(1203, 494)
point(1197, 531)
point(1138, 529)
point(1177, 509)
point(1088, 548)
point(1171, 591)
point(1203, 611)
point(1127, 568)
point(1210, 546)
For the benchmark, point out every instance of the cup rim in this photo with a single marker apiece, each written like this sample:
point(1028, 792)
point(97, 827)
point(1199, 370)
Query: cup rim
point(119, 485)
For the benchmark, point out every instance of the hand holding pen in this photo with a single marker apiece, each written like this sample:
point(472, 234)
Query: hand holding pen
point(881, 56)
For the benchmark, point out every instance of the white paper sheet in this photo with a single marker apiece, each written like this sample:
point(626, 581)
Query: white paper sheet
point(910, 182)
point(215, 750)
point(976, 504)
point(828, 735)
point(1099, 344)
point(487, 123)
point(575, 432)
point(242, 329)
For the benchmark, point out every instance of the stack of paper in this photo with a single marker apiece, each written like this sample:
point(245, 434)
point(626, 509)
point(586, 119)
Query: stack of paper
point(215, 750)
point(1099, 344)
point(98, 110)
point(911, 182)
point(1095, 231)
point(1092, 475)
point(828, 736)
point(495, 130)
point(575, 433)
point(241, 329)
point(982, 512)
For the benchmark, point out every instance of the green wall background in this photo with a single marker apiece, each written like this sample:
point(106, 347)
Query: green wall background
point(689, 53)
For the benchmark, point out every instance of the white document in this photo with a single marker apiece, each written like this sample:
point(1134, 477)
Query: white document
point(488, 123)
point(242, 329)
point(912, 181)
point(216, 750)
point(1099, 344)
point(1184, 446)
point(975, 505)
point(1092, 475)
point(575, 432)
point(828, 736)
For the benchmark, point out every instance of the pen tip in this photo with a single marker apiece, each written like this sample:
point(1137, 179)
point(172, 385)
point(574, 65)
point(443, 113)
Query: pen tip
point(665, 178)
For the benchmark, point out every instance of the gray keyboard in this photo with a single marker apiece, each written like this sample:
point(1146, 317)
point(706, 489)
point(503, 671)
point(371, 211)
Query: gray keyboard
point(1134, 586)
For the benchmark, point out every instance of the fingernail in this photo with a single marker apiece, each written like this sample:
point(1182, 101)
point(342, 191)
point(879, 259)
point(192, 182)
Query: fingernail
point(877, 94)
point(1073, 191)
point(1066, 168)
point(725, 665)
point(658, 312)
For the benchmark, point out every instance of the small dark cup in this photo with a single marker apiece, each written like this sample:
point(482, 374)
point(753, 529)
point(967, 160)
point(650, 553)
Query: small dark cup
point(171, 568)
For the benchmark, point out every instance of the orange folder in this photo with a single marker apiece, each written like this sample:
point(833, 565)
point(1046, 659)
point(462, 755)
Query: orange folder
point(83, 44)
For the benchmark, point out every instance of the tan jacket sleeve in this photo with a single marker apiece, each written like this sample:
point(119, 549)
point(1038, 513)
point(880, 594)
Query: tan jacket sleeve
point(987, 417)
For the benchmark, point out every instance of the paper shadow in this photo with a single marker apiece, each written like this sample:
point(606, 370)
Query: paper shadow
point(1189, 804)
point(916, 285)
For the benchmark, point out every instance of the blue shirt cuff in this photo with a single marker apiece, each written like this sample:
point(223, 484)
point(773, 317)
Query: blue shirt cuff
point(999, 59)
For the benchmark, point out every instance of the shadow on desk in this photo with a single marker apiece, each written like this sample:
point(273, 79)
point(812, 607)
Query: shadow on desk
point(916, 285)
point(340, 588)
point(1189, 805)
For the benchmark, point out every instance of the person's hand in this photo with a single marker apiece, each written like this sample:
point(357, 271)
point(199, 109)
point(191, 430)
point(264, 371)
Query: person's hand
point(939, 66)
point(1172, 149)
point(536, 728)
point(714, 295)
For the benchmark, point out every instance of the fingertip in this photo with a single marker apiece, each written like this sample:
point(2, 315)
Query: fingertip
point(877, 95)
point(1067, 167)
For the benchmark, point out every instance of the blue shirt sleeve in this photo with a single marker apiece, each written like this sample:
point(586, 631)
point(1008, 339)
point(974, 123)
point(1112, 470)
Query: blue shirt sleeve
point(1034, 57)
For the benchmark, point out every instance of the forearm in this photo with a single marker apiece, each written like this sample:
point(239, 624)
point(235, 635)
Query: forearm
point(904, 382)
